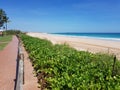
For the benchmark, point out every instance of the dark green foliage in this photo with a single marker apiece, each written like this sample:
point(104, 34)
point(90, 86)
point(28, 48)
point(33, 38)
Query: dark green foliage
point(12, 32)
point(64, 68)
point(3, 17)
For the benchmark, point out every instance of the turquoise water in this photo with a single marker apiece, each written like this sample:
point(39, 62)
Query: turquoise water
point(109, 36)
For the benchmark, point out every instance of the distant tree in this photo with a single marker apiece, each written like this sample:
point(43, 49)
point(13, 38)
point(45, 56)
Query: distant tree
point(2, 13)
point(3, 18)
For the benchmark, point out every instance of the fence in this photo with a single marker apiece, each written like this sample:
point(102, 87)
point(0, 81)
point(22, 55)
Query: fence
point(20, 68)
point(96, 48)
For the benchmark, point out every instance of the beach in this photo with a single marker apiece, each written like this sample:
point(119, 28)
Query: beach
point(93, 45)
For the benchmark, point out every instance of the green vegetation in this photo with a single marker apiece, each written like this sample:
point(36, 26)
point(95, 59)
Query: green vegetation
point(12, 32)
point(4, 41)
point(59, 67)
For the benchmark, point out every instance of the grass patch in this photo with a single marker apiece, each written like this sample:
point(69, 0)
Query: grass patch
point(4, 41)
point(5, 38)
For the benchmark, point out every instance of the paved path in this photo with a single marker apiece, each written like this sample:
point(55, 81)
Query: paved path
point(8, 62)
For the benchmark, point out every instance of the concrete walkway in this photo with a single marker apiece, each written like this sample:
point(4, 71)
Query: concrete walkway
point(8, 67)
point(8, 58)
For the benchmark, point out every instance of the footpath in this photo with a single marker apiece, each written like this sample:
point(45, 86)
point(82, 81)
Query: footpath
point(8, 60)
point(8, 68)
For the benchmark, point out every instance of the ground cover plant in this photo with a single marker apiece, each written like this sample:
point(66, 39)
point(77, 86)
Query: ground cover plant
point(60, 67)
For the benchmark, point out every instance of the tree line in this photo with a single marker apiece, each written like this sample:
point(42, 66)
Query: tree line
point(12, 32)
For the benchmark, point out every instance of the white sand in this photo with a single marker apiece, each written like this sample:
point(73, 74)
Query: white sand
point(80, 43)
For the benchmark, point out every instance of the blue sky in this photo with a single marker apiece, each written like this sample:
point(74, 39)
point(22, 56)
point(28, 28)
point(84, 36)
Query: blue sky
point(63, 15)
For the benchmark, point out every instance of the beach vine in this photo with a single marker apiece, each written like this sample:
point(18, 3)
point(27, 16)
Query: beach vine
point(60, 67)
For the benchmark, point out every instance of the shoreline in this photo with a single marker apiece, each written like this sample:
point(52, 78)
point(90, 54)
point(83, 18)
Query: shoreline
point(91, 37)
point(93, 45)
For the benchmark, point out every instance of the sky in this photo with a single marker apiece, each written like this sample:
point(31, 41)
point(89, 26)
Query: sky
point(53, 16)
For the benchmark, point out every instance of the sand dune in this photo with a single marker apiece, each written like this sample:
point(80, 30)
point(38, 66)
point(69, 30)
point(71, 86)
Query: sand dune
point(80, 43)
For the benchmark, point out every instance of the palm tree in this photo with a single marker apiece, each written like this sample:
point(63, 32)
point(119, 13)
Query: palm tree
point(2, 14)
point(3, 18)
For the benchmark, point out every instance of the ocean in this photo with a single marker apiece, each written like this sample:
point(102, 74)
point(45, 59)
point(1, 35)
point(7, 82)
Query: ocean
point(106, 36)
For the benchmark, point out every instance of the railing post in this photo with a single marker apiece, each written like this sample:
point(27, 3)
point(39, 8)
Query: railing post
point(108, 50)
point(114, 61)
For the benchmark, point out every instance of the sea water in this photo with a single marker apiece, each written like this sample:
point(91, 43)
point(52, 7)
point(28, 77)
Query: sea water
point(106, 36)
